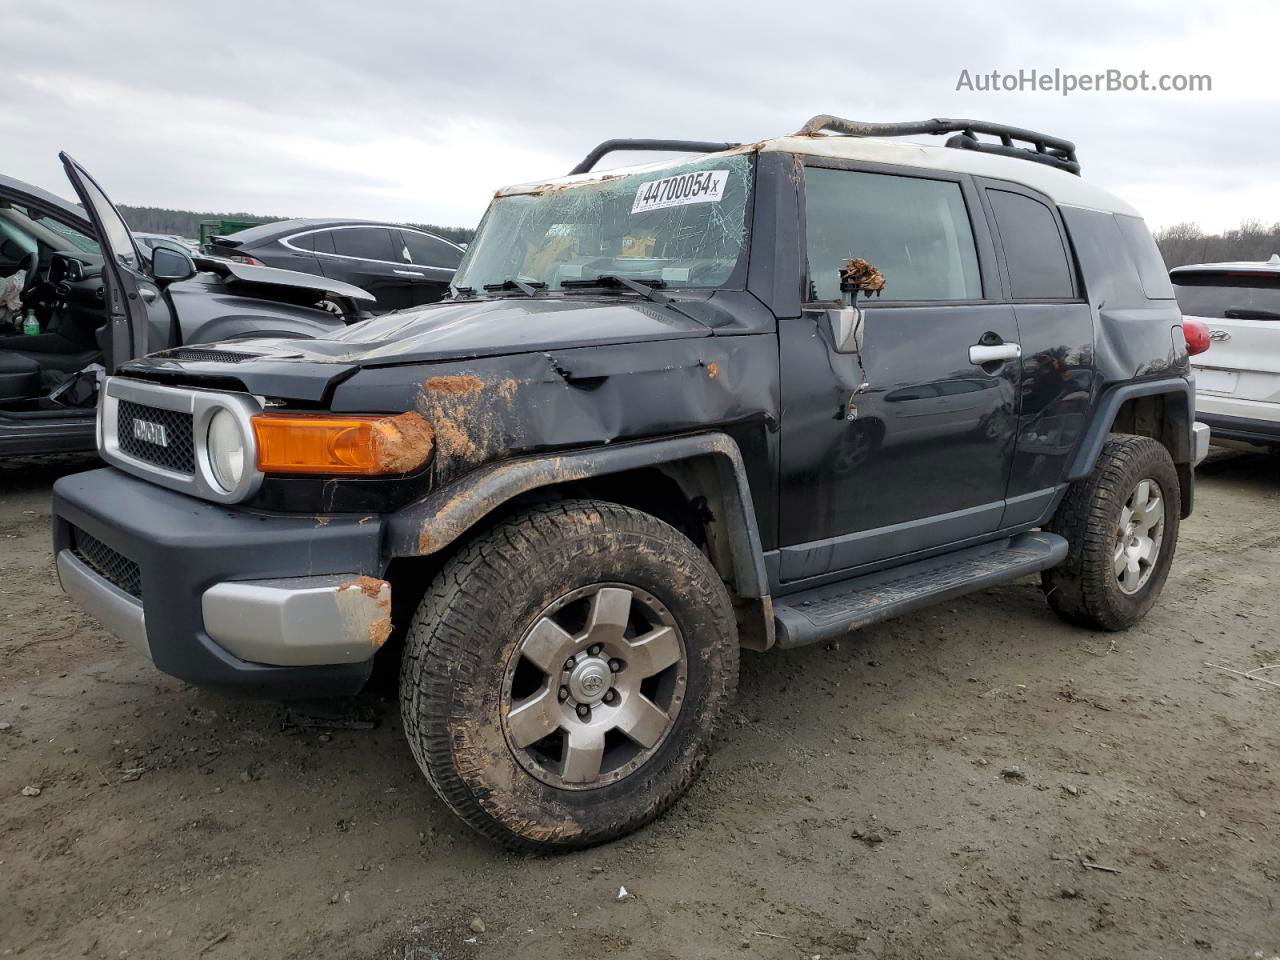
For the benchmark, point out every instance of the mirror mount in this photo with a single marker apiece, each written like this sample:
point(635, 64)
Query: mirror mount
point(856, 276)
point(170, 266)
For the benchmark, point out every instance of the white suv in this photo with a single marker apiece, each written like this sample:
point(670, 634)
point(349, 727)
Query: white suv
point(1238, 381)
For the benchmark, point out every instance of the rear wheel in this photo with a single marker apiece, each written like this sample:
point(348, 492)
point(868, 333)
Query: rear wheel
point(1121, 524)
point(565, 672)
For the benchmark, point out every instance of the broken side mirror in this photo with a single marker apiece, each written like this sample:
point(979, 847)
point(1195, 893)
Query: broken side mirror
point(846, 328)
point(170, 266)
point(856, 276)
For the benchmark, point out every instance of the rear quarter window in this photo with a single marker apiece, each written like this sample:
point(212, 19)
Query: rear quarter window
point(1142, 249)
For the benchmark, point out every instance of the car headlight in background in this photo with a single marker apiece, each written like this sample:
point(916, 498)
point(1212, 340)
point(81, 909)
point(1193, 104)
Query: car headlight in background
point(228, 450)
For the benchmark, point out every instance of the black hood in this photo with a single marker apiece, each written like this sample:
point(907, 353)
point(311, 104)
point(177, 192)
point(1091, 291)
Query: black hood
point(485, 328)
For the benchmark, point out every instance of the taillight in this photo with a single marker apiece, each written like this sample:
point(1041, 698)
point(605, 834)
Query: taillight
point(1197, 334)
point(245, 258)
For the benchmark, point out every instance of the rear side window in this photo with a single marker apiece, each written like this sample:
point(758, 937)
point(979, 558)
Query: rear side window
point(1146, 257)
point(430, 251)
point(303, 241)
point(367, 243)
point(1038, 265)
point(914, 231)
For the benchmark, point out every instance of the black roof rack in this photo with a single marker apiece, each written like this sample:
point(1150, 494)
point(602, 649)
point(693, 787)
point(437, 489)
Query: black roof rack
point(1042, 148)
point(666, 146)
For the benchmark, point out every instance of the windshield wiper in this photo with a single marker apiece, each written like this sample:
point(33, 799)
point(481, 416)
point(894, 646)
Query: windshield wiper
point(646, 288)
point(463, 291)
point(1237, 313)
point(527, 287)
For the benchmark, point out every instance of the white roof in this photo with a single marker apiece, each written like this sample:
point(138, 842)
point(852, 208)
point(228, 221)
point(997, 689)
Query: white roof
point(1065, 189)
point(1236, 266)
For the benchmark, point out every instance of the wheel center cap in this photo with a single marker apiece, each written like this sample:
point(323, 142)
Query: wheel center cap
point(589, 680)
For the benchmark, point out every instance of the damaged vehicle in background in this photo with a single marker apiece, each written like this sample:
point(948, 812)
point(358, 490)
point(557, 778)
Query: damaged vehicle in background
point(633, 443)
point(402, 266)
point(63, 324)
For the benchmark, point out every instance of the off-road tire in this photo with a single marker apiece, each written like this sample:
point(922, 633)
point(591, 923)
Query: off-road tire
point(469, 623)
point(1083, 590)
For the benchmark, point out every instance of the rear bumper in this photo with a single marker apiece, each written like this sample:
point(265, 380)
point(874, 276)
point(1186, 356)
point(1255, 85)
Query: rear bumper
point(1201, 433)
point(272, 605)
point(1248, 429)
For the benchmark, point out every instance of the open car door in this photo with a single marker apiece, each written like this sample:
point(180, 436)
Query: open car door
point(137, 315)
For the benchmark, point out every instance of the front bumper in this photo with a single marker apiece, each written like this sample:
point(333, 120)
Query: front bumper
point(218, 596)
point(1200, 436)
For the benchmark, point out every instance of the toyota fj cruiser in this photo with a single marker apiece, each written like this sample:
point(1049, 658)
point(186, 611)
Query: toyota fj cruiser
point(755, 399)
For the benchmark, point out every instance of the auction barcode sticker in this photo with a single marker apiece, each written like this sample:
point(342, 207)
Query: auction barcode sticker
point(704, 186)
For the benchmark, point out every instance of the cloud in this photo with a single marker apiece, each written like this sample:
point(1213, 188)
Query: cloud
point(407, 111)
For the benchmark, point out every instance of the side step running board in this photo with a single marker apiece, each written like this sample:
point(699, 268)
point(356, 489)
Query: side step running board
point(838, 608)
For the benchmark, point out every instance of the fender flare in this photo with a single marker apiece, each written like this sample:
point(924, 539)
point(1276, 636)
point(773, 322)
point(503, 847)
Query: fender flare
point(1108, 407)
point(433, 523)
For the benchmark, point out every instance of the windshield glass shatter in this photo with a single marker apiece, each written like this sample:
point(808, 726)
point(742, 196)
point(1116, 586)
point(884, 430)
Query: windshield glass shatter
point(683, 225)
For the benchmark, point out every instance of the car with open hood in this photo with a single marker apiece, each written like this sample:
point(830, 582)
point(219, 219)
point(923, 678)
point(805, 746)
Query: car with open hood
point(751, 397)
point(79, 295)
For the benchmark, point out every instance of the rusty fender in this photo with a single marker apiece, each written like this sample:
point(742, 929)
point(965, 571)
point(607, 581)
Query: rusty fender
point(438, 520)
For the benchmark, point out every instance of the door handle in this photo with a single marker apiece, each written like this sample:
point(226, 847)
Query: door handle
point(996, 353)
point(148, 294)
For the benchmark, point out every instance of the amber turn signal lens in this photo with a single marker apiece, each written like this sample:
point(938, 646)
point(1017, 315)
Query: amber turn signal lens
point(342, 445)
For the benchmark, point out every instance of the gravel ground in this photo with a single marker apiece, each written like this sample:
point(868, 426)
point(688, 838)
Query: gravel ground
point(934, 787)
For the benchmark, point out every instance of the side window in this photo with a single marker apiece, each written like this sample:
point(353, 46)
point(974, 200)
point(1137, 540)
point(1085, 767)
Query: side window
point(322, 241)
point(914, 231)
point(367, 243)
point(303, 241)
point(430, 251)
point(1038, 265)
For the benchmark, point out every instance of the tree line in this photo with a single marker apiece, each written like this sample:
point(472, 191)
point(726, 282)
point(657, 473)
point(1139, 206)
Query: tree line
point(186, 223)
point(1185, 243)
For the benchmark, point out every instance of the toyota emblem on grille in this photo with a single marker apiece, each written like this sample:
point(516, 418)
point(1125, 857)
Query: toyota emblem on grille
point(149, 432)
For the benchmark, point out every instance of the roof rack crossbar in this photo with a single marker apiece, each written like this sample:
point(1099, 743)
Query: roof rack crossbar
point(666, 146)
point(1041, 148)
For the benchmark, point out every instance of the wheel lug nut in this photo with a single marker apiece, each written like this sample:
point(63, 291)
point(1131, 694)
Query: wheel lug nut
point(611, 696)
point(584, 711)
point(595, 651)
point(615, 665)
point(568, 664)
point(564, 694)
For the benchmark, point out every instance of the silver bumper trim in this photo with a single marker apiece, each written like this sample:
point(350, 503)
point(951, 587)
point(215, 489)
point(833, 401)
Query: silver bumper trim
point(111, 606)
point(1200, 435)
point(300, 621)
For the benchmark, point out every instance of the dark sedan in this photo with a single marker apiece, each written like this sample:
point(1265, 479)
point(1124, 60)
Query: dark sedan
point(401, 266)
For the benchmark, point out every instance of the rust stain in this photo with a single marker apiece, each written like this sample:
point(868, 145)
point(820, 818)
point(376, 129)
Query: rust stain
point(369, 586)
point(459, 384)
point(402, 443)
point(378, 628)
point(713, 370)
point(424, 540)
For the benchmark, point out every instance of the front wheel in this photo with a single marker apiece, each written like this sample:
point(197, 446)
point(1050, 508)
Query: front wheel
point(1121, 525)
point(565, 672)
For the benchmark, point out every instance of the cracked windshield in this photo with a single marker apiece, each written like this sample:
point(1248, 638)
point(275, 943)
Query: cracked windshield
point(678, 226)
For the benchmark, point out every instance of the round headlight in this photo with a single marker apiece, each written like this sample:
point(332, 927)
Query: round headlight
point(228, 451)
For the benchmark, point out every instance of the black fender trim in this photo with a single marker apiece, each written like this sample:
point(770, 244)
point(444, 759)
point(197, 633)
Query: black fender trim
point(440, 519)
point(1108, 407)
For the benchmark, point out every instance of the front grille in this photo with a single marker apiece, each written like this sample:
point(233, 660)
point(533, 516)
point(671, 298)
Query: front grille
point(176, 452)
point(206, 356)
point(107, 563)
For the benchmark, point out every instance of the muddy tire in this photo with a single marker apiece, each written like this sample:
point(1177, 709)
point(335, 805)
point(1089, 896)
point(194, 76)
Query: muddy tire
point(595, 624)
point(1121, 524)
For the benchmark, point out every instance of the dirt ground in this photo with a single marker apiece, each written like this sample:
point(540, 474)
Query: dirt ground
point(933, 787)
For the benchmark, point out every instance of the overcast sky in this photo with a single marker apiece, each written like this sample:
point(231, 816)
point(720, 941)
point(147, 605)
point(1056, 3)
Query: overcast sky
point(417, 111)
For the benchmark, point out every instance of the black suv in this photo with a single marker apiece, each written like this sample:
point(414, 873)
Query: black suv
point(756, 399)
point(402, 266)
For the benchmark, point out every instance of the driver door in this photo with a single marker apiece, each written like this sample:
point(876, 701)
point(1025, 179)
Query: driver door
point(138, 316)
